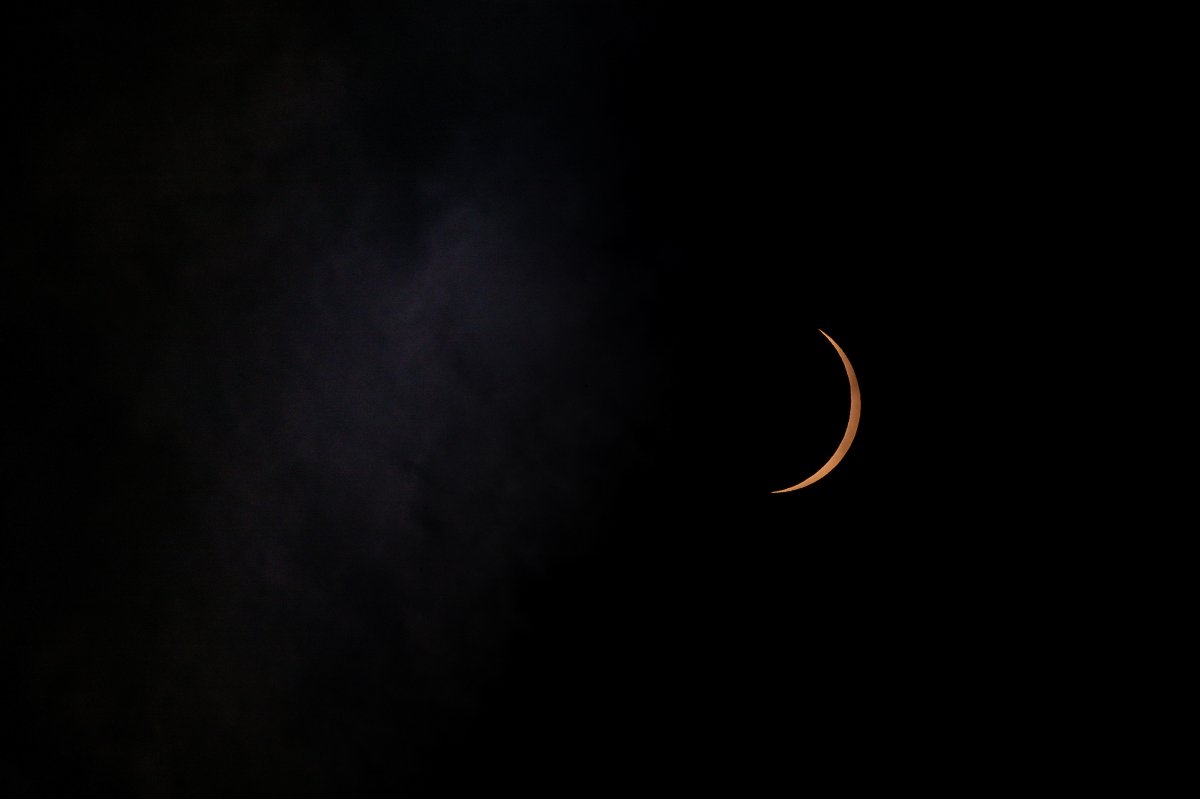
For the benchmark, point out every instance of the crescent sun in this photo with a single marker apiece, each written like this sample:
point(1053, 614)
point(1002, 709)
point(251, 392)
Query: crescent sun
point(851, 426)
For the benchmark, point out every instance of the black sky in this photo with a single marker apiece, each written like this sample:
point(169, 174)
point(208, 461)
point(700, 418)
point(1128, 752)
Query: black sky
point(399, 390)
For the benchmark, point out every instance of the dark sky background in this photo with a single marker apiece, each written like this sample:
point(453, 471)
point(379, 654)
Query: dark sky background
point(399, 392)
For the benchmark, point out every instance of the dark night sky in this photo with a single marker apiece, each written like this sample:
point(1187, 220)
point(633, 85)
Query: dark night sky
point(399, 392)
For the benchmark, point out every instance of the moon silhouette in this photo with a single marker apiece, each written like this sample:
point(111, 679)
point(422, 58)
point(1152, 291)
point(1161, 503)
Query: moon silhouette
point(851, 426)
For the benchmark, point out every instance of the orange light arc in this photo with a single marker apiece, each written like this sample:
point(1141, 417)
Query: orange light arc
point(851, 426)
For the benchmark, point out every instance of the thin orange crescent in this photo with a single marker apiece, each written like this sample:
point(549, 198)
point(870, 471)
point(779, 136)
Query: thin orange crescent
point(851, 426)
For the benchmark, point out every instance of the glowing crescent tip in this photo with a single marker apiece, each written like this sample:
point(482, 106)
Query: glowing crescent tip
point(851, 426)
